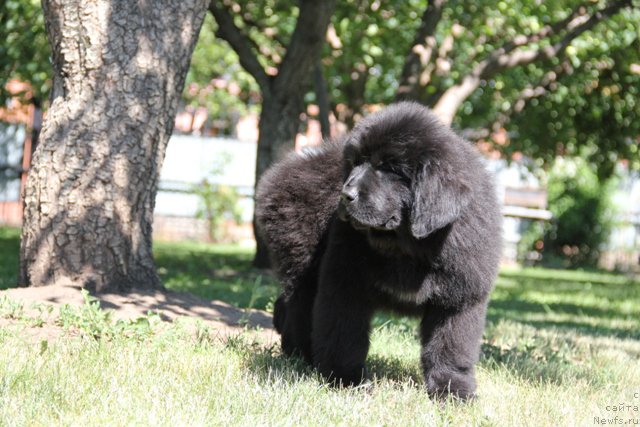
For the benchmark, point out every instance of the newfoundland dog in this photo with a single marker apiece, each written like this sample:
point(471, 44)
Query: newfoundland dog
point(401, 215)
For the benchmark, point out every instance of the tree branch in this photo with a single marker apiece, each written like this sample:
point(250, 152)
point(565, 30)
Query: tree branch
point(577, 23)
point(261, 28)
point(421, 54)
point(239, 42)
point(273, 55)
point(548, 83)
point(510, 56)
point(306, 41)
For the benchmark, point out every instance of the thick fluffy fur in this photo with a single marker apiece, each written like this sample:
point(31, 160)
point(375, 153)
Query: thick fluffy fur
point(402, 215)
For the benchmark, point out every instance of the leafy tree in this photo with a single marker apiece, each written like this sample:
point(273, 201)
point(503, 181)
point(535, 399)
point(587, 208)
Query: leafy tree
point(278, 43)
point(217, 202)
point(365, 52)
point(217, 80)
point(558, 76)
point(592, 106)
point(489, 38)
point(582, 210)
point(24, 51)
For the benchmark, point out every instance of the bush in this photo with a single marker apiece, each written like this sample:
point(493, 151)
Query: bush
point(582, 214)
point(531, 242)
point(217, 202)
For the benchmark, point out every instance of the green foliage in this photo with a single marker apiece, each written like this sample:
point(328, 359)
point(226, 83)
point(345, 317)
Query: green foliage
point(92, 321)
point(217, 202)
point(9, 254)
point(35, 315)
point(258, 292)
point(217, 81)
point(584, 99)
point(24, 49)
point(531, 242)
point(581, 205)
point(375, 37)
point(10, 309)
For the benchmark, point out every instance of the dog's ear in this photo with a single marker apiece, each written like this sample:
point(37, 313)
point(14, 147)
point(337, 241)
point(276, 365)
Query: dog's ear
point(439, 198)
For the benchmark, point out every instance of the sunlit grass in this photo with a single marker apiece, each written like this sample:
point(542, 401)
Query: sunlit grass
point(561, 348)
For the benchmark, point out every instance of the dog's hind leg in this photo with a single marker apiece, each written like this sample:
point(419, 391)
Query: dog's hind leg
point(292, 317)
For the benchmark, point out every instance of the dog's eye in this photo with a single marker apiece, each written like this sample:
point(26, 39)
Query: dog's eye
point(385, 167)
point(395, 170)
point(350, 161)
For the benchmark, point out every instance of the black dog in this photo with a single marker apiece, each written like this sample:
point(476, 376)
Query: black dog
point(401, 216)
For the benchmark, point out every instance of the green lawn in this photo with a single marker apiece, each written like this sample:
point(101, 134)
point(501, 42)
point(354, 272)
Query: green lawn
point(560, 348)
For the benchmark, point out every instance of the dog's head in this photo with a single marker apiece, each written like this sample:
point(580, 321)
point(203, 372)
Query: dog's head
point(402, 172)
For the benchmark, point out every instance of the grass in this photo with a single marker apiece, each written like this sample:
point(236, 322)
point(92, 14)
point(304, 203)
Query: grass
point(560, 349)
point(215, 272)
point(9, 256)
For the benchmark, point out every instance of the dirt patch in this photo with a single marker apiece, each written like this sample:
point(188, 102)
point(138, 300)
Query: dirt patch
point(218, 316)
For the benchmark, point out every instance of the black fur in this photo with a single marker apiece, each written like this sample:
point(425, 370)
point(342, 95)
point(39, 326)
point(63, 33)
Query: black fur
point(402, 215)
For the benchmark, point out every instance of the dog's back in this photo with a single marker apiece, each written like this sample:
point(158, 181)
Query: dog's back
point(295, 201)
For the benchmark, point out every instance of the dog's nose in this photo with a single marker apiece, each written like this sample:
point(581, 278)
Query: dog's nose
point(349, 194)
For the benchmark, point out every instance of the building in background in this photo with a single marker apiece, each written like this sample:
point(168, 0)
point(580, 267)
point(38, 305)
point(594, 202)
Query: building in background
point(20, 123)
point(192, 158)
point(188, 161)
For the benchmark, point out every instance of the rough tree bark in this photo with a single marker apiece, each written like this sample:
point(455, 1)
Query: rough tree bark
point(322, 98)
point(119, 68)
point(282, 93)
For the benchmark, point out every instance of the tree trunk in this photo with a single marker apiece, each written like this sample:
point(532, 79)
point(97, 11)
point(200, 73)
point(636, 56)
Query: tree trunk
point(279, 122)
point(447, 106)
point(322, 99)
point(119, 69)
point(416, 70)
point(283, 94)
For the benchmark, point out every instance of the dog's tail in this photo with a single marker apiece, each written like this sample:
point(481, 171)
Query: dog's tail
point(295, 201)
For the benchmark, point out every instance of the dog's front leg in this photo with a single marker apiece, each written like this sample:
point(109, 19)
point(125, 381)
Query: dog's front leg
point(341, 323)
point(450, 349)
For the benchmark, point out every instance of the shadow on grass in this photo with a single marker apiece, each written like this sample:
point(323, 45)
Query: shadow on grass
point(270, 366)
point(607, 307)
point(561, 307)
point(394, 369)
point(215, 272)
point(601, 309)
point(536, 365)
point(574, 277)
point(583, 322)
point(583, 328)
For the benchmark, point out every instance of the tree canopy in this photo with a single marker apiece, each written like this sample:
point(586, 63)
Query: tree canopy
point(579, 102)
point(579, 95)
point(559, 77)
point(217, 80)
point(24, 51)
